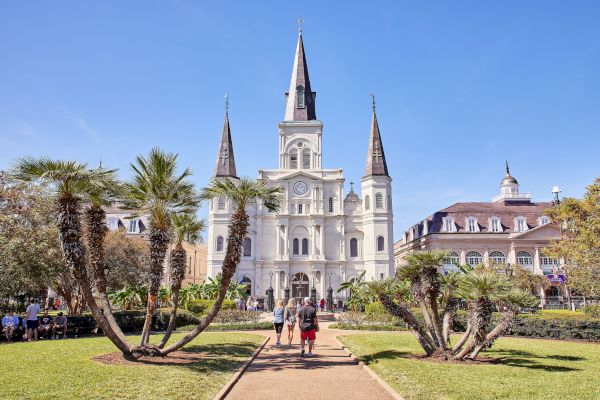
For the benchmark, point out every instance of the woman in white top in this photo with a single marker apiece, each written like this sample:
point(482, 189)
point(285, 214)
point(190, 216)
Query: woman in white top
point(290, 319)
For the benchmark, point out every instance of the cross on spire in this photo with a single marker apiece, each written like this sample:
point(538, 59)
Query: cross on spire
point(351, 186)
point(373, 101)
point(226, 103)
point(300, 25)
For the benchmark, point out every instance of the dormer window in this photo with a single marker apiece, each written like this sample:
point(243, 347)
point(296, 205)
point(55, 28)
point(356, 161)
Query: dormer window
point(472, 225)
point(112, 224)
point(133, 226)
point(543, 220)
point(521, 224)
point(448, 225)
point(300, 103)
point(495, 225)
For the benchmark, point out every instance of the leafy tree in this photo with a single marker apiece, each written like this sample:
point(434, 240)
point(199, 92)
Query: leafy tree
point(359, 296)
point(579, 246)
point(420, 282)
point(159, 191)
point(126, 259)
point(129, 298)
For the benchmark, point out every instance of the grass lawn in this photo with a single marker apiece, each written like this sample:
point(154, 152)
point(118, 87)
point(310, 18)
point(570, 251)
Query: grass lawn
point(528, 369)
point(63, 369)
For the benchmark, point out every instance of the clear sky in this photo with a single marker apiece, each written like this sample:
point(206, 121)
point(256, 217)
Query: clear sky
point(461, 86)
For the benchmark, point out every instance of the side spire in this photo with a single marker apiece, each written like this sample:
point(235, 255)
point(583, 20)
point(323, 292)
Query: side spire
point(225, 165)
point(300, 99)
point(376, 164)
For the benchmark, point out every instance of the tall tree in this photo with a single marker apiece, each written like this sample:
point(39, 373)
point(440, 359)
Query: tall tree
point(242, 193)
point(579, 220)
point(70, 181)
point(126, 259)
point(186, 227)
point(159, 191)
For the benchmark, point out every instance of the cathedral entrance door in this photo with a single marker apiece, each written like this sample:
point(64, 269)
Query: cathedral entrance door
point(300, 286)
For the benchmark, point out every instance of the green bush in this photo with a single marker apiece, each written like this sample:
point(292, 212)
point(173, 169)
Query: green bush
point(253, 326)
point(374, 312)
point(378, 327)
point(592, 311)
point(201, 307)
point(236, 316)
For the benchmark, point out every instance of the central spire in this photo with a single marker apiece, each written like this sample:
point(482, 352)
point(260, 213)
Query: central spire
point(376, 164)
point(300, 99)
point(225, 165)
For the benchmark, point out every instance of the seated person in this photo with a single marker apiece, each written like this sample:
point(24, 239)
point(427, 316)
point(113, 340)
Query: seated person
point(10, 323)
point(45, 327)
point(60, 326)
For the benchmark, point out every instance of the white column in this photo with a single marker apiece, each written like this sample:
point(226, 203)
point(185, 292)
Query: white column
point(277, 285)
point(322, 240)
point(286, 242)
point(536, 262)
point(512, 255)
point(278, 237)
point(313, 241)
point(486, 257)
point(463, 257)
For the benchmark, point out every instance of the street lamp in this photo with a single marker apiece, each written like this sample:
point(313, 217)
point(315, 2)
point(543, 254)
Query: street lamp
point(313, 290)
point(556, 191)
point(270, 299)
point(330, 296)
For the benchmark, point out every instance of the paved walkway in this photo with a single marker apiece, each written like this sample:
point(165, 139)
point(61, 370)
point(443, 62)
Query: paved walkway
point(280, 373)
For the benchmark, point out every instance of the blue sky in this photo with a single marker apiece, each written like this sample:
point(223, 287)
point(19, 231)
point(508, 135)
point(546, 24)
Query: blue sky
point(461, 86)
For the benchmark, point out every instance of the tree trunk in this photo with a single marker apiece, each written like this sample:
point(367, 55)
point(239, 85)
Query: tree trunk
point(429, 322)
point(503, 326)
point(178, 256)
point(461, 342)
point(68, 222)
point(448, 319)
point(159, 242)
point(237, 232)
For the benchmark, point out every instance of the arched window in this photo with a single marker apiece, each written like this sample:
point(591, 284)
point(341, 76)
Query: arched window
point(380, 243)
point(220, 203)
point(306, 158)
point(367, 202)
point(524, 259)
point(247, 247)
point(294, 158)
point(331, 204)
point(304, 247)
point(353, 247)
point(219, 243)
point(295, 247)
point(300, 97)
point(378, 200)
point(452, 258)
point(497, 257)
point(474, 258)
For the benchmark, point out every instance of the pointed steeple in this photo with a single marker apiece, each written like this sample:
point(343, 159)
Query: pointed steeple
point(376, 164)
point(300, 99)
point(225, 165)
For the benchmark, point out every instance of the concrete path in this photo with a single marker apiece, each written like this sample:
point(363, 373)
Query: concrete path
point(280, 373)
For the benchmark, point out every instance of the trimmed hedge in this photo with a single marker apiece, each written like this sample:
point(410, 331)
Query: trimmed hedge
point(383, 327)
point(201, 307)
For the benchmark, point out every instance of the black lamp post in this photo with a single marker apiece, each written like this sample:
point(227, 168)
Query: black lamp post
point(313, 291)
point(270, 298)
point(329, 296)
point(287, 289)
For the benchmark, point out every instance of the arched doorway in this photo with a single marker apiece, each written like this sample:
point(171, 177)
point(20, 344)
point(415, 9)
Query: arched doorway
point(248, 283)
point(300, 285)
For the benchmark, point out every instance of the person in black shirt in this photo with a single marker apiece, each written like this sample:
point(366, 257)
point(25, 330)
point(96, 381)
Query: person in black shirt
point(309, 325)
point(45, 327)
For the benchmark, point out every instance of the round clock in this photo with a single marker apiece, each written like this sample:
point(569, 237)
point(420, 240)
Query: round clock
point(300, 188)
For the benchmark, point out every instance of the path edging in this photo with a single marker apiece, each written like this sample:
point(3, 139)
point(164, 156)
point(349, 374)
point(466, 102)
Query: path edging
point(240, 371)
point(364, 366)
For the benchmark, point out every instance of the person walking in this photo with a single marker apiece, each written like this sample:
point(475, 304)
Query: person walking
point(322, 305)
point(278, 320)
point(309, 326)
point(290, 319)
point(32, 311)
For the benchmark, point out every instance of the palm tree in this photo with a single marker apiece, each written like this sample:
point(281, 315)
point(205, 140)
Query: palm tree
point(242, 193)
point(128, 298)
point(185, 227)
point(356, 286)
point(71, 182)
point(157, 190)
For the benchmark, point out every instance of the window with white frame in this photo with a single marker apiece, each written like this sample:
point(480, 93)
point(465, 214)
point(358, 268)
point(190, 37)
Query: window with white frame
point(133, 226)
point(520, 224)
point(472, 225)
point(353, 247)
point(378, 200)
point(367, 202)
point(220, 203)
point(474, 258)
point(543, 220)
point(497, 257)
point(331, 204)
point(294, 158)
point(296, 247)
point(306, 158)
point(495, 225)
point(219, 244)
point(524, 259)
point(112, 224)
point(380, 243)
point(448, 224)
point(299, 208)
point(304, 247)
point(548, 263)
point(452, 258)
point(247, 247)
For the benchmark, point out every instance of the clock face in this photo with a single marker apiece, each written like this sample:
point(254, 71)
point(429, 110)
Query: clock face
point(300, 188)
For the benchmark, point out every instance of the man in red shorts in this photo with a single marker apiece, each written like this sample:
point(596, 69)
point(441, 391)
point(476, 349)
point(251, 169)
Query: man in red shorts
point(308, 324)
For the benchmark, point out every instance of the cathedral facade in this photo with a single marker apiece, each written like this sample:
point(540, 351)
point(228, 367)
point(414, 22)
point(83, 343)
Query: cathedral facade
point(320, 237)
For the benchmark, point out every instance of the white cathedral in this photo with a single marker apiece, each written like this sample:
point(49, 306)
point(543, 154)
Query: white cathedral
point(319, 238)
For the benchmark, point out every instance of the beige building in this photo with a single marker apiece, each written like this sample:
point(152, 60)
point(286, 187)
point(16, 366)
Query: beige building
point(511, 229)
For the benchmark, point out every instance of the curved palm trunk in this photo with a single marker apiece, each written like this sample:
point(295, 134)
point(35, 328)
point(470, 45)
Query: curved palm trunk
point(448, 319)
point(237, 232)
point(177, 274)
point(159, 241)
point(480, 318)
point(68, 214)
point(503, 326)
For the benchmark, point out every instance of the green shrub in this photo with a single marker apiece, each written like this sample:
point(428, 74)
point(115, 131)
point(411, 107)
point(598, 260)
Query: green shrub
point(201, 307)
point(236, 316)
point(374, 312)
point(254, 326)
point(592, 311)
point(378, 327)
